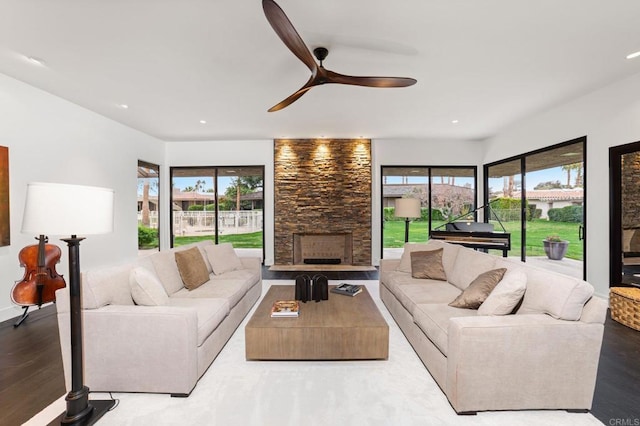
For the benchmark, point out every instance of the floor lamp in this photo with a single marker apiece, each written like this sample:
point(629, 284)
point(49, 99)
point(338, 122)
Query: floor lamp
point(60, 209)
point(407, 208)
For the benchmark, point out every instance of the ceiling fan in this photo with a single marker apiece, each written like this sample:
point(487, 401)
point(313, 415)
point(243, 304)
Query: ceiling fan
point(319, 74)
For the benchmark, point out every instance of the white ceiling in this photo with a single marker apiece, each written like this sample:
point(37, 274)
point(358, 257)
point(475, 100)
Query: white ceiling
point(486, 63)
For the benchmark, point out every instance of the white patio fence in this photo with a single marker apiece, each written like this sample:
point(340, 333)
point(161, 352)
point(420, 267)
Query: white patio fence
point(202, 222)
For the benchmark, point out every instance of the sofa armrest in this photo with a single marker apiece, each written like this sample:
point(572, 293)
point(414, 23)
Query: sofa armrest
point(388, 264)
point(136, 348)
point(521, 361)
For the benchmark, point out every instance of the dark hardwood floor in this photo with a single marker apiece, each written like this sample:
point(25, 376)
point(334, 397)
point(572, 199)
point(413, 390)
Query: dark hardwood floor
point(31, 374)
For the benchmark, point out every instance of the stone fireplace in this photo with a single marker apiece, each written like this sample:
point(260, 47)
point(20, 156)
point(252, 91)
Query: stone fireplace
point(322, 201)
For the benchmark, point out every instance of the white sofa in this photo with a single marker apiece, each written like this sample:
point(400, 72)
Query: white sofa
point(158, 337)
point(545, 356)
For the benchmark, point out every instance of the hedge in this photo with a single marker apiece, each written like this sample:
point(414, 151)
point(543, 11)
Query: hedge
point(566, 214)
point(146, 236)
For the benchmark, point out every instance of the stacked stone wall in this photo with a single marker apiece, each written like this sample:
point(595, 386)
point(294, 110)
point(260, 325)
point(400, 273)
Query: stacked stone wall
point(322, 186)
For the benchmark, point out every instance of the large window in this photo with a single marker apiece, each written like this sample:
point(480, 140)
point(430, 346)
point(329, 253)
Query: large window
point(540, 196)
point(224, 204)
point(445, 193)
point(148, 202)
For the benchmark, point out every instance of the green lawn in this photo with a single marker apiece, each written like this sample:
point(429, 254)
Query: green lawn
point(537, 230)
point(252, 240)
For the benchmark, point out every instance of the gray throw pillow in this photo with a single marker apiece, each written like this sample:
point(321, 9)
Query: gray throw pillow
point(223, 258)
point(428, 264)
point(477, 292)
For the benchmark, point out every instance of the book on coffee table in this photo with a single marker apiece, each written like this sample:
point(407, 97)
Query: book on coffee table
point(285, 308)
point(347, 289)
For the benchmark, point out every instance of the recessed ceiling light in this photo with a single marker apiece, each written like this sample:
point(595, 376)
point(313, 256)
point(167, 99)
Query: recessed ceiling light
point(35, 61)
point(633, 55)
point(203, 121)
point(124, 106)
point(455, 121)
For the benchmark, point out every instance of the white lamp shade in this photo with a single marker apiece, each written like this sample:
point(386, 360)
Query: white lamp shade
point(407, 207)
point(61, 209)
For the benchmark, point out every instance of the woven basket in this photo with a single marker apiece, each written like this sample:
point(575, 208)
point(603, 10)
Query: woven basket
point(625, 306)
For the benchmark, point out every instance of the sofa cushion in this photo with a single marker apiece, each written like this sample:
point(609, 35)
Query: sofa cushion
point(560, 296)
point(210, 313)
point(469, 264)
point(201, 246)
point(506, 295)
point(146, 288)
point(449, 254)
point(164, 262)
point(477, 292)
point(425, 291)
point(433, 320)
point(428, 264)
point(230, 290)
point(192, 268)
point(247, 277)
point(223, 258)
point(106, 286)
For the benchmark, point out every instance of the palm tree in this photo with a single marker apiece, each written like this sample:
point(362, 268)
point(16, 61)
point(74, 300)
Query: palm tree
point(578, 168)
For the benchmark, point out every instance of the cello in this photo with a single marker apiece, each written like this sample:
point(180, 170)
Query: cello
point(40, 280)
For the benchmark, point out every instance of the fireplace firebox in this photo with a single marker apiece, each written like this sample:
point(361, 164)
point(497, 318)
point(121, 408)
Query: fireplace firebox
point(323, 248)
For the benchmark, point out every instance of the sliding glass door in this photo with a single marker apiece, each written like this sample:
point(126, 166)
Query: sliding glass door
point(445, 193)
point(224, 204)
point(539, 198)
point(504, 191)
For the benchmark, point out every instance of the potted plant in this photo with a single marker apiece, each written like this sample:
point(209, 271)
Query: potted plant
point(555, 247)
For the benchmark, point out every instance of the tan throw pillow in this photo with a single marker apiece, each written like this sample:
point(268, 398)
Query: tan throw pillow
point(193, 270)
point(504, 298)
point(428, 264)
point(146, 288)
point(223, 258)
point(477, 292)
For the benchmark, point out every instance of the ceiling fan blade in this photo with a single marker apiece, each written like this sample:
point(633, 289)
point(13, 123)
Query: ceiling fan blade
point(334, 77)
point(294, 97)
point(287, 33)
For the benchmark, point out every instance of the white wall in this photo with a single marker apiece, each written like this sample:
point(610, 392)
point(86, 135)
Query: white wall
point(53, 140)
point(608, 117)
point(412, 152)
point(227, 153)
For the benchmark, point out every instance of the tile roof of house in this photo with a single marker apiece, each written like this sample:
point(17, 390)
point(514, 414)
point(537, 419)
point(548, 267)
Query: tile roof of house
point(553, 194)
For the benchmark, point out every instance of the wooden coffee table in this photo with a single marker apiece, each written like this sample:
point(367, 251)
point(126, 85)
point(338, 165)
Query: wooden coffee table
point(340, 328)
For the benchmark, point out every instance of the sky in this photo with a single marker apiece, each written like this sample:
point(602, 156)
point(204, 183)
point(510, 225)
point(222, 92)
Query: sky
point(223, 183)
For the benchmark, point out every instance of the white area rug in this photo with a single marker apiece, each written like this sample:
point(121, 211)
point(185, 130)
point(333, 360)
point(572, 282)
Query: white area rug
point(234, 391)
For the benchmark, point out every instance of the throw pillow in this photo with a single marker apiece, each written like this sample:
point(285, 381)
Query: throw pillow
point(405, 259)
point(506, 295)
point(477, 292)
point(223, 258)
point(428, 264)
point(192, 268)
point(146, 288)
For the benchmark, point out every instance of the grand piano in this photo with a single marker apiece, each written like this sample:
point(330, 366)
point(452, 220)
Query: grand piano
point(476, 235)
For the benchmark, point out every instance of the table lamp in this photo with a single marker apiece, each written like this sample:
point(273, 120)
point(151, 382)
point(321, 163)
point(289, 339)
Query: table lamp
point(61, 209)
point(407, 208)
